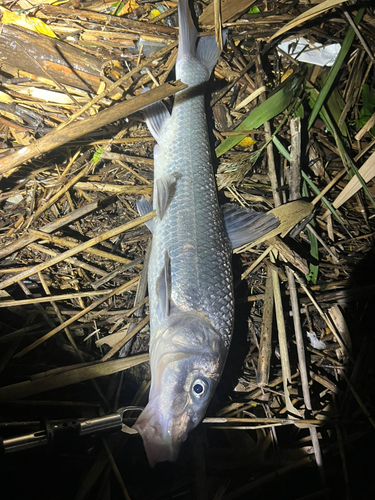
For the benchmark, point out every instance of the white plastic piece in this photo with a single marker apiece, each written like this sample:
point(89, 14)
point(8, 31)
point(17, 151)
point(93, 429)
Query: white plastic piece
point(314, 53)
point(315, 342)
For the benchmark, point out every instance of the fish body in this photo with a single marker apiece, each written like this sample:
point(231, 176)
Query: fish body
point(189, 277)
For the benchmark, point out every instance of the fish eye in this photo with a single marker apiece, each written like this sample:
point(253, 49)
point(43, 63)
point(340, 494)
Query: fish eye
point(199, 388)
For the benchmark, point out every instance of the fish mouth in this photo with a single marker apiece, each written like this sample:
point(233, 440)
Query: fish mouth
point(159, 442)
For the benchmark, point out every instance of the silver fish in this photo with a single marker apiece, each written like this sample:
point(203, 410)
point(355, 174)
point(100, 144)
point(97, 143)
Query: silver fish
point(190, 277)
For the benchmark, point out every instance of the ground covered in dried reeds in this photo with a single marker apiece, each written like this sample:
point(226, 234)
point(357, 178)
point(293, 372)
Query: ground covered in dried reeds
point(293, 417)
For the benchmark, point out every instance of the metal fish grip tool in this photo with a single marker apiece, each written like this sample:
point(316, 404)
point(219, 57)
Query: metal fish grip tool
point(60, 434)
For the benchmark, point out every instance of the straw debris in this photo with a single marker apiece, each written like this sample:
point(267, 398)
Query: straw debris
point(296, 402)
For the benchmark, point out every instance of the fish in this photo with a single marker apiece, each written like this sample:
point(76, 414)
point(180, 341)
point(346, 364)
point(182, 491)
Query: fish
point(190, 282)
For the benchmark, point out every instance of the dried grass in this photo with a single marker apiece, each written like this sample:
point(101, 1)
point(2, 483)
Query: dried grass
point(76, 156)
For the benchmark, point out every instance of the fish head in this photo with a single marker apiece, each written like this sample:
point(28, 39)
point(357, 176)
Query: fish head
point(186, 359)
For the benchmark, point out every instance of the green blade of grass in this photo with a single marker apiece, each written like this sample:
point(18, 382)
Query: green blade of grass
point(312, 186)
point(335, 105)
point(347, 43)
point(347, 161)
point(314, 250)
point(270, 108)
point(316, 191)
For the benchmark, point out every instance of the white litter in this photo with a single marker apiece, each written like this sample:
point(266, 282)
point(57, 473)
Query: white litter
point(314, 53)
point(315, 342)
point(15, 199)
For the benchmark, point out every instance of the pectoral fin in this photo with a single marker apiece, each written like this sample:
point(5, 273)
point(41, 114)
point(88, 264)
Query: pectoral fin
point(156, 116)
point(244, 225)
point(164, 190)
point(144, 207)
point(164, 289)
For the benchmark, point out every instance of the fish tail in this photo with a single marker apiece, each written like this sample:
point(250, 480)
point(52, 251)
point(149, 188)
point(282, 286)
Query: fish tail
point(206, 51)
point(187, 31)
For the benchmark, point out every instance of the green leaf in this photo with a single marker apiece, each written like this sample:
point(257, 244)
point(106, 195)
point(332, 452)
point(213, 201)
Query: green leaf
point(346, 45)
point(97, 155)
point(270, 108)
point(119, 6)
point(316, 191)
point(347, 161)
point(335, 105)
point(300, 112)
point(368, 107)
point(281, 148)
point(314, 251)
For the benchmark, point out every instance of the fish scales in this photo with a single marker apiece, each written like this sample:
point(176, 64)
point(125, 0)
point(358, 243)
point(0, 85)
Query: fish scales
point(189, 276)
point(192, 229)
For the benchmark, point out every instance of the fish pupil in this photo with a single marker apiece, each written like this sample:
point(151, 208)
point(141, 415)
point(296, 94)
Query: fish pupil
point(198, 388)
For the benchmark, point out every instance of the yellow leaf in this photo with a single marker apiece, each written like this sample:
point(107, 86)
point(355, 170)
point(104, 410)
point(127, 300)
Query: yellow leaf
point(248, 141)
point(41, 27)
point(5, 98)
point(154, 13)
point(101, 87)
point(128, 8)
point(24, 21)
point(286, 75)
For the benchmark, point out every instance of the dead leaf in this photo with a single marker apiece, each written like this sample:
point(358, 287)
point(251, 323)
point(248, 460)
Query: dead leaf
point(30, 23)
point(306, 16)
point(113, 339)
point(367, 171)
point(128, 8)
point(22, 138)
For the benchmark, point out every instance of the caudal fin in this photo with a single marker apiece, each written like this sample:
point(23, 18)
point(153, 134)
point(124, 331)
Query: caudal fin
point(206, 50)
point(187, 35)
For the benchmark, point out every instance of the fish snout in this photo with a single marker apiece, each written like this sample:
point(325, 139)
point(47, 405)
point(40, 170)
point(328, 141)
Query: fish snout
point(161, 438)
